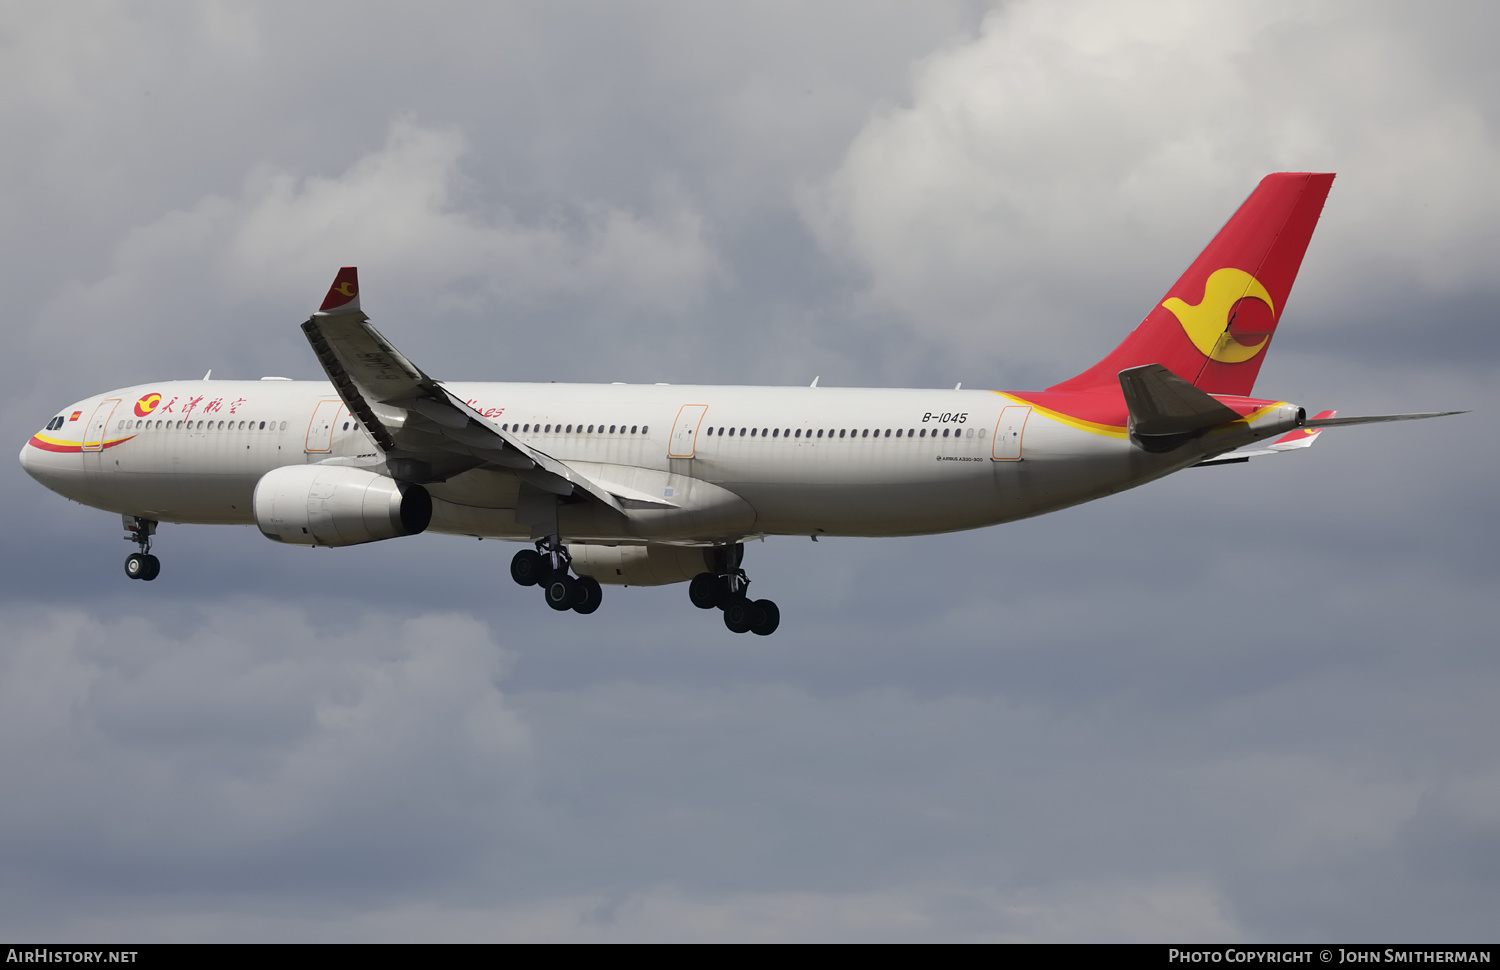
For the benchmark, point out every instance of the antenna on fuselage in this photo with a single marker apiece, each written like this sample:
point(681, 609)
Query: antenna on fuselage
point(209, 374)
point(959, 386)
point(815, 381)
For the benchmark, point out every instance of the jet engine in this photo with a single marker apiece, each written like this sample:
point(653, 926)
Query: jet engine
point(336, 505)
point(653, 564)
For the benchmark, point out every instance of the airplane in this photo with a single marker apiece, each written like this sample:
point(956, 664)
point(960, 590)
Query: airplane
point(616, 484)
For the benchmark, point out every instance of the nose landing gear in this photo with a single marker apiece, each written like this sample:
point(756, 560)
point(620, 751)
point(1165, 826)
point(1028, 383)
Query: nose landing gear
point(141, 565)
point(547, 566)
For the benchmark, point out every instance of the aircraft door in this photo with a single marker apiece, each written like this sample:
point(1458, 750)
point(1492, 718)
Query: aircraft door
point(685, 432)
point(320, 428)
point(99, 424)
point(1010, 432)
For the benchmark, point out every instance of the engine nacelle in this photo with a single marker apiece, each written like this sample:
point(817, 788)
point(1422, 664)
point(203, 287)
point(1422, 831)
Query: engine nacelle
point(647, 565)
point(336, 505)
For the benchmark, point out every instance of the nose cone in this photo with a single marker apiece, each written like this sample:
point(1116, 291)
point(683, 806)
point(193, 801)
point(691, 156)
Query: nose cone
point(31, 461)
point(55, 471)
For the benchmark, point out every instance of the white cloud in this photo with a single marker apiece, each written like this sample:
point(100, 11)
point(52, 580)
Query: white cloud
point(402, 213)
point(1075, 156)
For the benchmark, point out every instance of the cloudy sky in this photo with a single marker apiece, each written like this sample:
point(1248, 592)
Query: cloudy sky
point(1245, 703)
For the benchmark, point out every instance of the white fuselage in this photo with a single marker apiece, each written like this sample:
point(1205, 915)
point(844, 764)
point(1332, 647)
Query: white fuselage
point(755, 461)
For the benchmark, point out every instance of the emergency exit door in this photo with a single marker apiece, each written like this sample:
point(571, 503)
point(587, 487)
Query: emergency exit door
point(1010, 432)
point(320, 428)
point(99, 424)
point(685, 432)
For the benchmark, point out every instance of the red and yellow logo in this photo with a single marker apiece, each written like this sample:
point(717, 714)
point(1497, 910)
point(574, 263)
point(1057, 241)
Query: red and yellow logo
point(1207, 324)
point(147, 404)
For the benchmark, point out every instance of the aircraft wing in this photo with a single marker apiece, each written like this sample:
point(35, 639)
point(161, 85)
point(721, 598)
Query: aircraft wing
point(425, 431)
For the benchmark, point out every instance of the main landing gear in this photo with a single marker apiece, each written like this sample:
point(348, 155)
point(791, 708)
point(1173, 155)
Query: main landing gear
point(548, 566)
point(141, 565)
point(727, 592)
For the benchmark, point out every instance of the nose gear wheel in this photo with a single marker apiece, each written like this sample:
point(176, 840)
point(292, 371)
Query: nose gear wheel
point(141, 565)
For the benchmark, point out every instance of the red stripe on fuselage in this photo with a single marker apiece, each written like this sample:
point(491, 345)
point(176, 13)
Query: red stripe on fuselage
point(44, 443)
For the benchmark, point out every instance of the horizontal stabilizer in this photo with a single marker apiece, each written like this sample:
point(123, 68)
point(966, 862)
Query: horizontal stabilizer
point(1296, 440)
point(1377, 418)
point(1165, 410)
point(1302, 437)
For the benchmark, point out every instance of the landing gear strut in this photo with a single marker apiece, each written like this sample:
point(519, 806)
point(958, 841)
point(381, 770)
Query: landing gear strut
point(725, 588)
point(141, 565)
point(548, 566)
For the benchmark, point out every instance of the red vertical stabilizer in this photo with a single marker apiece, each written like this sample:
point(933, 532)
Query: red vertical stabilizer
point(1214, 325)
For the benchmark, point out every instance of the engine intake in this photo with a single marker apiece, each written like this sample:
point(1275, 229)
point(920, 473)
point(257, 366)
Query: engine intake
point(333, 505)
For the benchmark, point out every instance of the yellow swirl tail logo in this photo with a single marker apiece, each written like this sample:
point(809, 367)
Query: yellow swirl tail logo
point(1207, 324)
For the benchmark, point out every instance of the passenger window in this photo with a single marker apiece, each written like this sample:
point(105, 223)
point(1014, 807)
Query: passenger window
point(263, 426)
point(752, 432)
point(970, 433)
point(865, 433)
point(799, 432)
point(356, 426)
point(591, 429)
point(898, 432)
point(820, 432)
point(945, 432)
point(841, 432)
point(924, 432)
point(548, 428)
point(887, 432)
point(645, 429)
point(283, 425)
point(981, 433)
point(632, 429)
point(742, 432)
point(346, 425)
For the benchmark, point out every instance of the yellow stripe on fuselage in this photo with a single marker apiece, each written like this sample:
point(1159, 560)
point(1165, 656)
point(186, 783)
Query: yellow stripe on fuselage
point(1092, 427)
